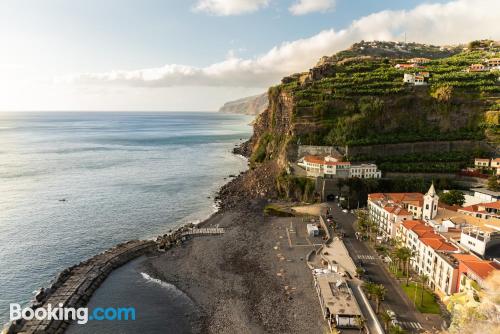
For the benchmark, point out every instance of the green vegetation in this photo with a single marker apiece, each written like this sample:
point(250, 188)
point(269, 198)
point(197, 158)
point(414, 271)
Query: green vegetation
point(443, 162)
point(296, 188)
point(276, 211)
point(363, 100)
point(260, 154)
point(452, 197)
point(493, 183)
point(376, 291)
point(426, 305)
point(355, 190)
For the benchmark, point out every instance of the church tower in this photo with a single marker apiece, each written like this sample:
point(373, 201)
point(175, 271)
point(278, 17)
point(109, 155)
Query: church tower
point(431, 200)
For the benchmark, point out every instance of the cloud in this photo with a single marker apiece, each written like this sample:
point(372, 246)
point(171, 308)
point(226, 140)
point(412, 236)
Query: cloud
point(230, 7)
point(302, 7)
point(453, 22)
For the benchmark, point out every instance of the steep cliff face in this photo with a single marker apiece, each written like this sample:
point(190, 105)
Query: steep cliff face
point(252, 105)
point(273, 129)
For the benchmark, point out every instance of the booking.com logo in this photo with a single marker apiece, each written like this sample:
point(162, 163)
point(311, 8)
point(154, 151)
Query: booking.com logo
point(81, 315)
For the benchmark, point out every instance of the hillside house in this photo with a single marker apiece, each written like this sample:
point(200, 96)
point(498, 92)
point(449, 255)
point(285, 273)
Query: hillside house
point(481, 163)
point(419, 61)
point(404, 66)
point(477, 68)
point(419, 80)
point(493, 63)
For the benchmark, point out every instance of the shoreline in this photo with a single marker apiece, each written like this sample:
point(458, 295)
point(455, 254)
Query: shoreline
point(81, 298)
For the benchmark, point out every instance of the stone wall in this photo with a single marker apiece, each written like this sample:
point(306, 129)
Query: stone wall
point(317, 150)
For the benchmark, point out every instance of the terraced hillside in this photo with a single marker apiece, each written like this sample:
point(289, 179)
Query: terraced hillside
point(357, 98)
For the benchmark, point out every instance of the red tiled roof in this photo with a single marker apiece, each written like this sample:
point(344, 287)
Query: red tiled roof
point(397, 210)
point(494, 205)
point(398, 197)
point(470, 208)
point(427, 235)
point(409, 224)
point(438, 243)
point(480, 267)
point(321, 160)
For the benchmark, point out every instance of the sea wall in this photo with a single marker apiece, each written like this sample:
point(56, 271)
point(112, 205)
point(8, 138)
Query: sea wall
point(74, 286)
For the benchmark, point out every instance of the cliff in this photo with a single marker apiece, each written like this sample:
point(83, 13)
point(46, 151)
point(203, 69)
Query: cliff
point(357, 98)
point(252, 105)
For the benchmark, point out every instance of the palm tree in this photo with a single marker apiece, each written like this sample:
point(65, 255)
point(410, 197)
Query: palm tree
point(369, 287)
point(386, 319)
point(423, 279)
point(360, 271)
point(405, 254)
point(379, 293)
point(396, 330)
point(360, 322)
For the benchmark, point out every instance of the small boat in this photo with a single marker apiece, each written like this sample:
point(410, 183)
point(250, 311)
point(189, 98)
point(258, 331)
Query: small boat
point(62, 200)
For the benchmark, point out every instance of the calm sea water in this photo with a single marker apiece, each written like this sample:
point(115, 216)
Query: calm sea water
point(122, 175)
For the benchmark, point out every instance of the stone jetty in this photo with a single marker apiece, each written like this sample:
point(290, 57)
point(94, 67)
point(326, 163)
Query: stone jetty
point(183, 233)
point(74, 286)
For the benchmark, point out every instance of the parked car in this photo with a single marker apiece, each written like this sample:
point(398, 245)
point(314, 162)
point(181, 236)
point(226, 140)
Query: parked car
point(345, 211)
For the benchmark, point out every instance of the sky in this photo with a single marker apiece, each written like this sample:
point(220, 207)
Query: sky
point(195, 55)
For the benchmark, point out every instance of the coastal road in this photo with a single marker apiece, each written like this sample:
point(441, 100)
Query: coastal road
point(395, 299)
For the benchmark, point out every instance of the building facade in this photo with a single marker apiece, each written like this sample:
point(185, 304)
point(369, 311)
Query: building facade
point(331, 167)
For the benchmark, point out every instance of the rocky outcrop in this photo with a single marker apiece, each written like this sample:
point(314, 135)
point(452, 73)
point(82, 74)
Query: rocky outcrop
point(252, 105)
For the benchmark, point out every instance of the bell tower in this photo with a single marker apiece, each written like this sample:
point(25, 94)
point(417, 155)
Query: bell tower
point(431, 200)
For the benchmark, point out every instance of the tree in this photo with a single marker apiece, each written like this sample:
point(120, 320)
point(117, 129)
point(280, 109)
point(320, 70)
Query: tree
point(379, 293)
point(452, 197)
point(360, 322)
point(369, 288)
point(396, 330)
point(443, 93)
point(386, 319)
point(360, 271)
point(493, 183)
point(423, 279)
point(404, 254)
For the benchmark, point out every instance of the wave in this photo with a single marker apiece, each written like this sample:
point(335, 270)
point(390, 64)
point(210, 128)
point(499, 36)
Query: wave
point(158, 281)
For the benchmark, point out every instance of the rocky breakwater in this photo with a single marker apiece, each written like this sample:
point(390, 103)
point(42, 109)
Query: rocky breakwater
point(74, 286)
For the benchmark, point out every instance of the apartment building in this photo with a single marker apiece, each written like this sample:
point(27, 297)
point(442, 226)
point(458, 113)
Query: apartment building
point(388, 210)
point(431, 255)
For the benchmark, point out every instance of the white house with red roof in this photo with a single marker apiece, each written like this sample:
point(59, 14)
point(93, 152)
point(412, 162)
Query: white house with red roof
point(482, 210)
point(473, 269)
point(388, 210)
point(332, 167)
point(431, 255)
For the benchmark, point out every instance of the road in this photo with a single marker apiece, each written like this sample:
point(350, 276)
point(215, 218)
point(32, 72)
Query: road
point(395, 299)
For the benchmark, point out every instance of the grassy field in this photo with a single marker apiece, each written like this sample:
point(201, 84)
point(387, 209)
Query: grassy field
point(429, 305)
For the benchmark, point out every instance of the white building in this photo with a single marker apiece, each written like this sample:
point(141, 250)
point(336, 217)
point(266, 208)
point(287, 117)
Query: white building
point(431, 255)
point(387, 211)
point(331, 167)
point(431, 202)
point(365, 171)
point(486, 195)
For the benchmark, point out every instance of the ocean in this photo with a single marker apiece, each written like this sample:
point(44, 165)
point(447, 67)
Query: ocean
point(74, 184)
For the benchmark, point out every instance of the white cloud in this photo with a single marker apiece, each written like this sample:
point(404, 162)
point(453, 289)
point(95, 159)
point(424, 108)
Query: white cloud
point(452, 22)
point(229, 7)
point(302, 7)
